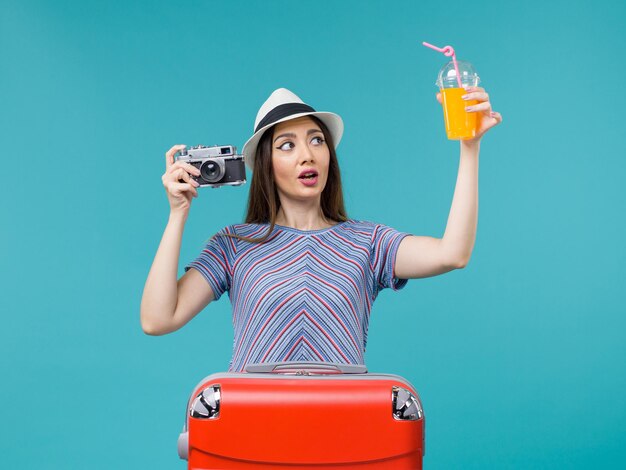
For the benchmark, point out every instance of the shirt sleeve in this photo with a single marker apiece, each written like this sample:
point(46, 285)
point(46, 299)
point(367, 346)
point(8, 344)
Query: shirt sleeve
point(384, 247)
point(215, 261)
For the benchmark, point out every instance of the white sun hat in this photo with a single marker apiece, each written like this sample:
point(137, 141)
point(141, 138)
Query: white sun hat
point(283, 105)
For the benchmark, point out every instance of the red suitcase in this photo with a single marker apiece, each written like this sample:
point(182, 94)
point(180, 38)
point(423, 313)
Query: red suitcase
point(303, 415)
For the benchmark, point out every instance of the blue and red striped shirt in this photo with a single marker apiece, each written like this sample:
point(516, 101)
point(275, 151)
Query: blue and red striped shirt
point(301, 295)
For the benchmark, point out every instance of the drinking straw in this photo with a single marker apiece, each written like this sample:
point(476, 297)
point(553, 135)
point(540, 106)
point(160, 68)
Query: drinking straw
point(448, 51)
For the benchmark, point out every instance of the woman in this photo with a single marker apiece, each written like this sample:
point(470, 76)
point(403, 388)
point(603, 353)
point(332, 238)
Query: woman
point(301, 275)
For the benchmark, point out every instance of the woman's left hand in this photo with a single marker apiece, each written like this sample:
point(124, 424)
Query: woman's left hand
point(486, 118)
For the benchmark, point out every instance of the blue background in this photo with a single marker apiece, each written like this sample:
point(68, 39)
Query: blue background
point(519, 358)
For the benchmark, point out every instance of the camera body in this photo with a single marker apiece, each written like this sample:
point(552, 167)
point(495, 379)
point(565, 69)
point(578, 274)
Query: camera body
point(219, 165)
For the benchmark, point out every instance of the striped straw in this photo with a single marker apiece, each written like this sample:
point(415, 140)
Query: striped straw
point(448, 51)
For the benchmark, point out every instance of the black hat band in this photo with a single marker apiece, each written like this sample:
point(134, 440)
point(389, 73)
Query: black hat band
point(282, 111)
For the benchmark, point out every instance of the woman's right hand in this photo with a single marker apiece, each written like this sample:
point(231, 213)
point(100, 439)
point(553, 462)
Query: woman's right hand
point(179, 185)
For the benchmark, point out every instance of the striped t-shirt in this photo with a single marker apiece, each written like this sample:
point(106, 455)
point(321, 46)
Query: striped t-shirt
point(301, 295)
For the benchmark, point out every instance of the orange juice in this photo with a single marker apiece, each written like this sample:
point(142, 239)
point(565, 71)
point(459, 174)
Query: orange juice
point(459, 123)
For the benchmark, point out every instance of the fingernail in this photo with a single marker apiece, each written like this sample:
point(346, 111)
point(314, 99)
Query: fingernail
point(464, 97)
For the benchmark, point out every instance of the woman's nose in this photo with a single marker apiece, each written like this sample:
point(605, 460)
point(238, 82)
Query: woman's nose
point(307, 155)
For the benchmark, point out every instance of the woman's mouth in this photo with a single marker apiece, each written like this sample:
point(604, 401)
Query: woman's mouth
point(308, 178)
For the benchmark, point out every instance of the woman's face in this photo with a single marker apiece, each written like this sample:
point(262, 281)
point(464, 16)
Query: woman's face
point(300, 159)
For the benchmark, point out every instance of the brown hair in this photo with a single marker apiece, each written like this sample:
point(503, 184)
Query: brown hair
point(263, 200)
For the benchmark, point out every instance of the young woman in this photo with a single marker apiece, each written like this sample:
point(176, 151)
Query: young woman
point(300, 274)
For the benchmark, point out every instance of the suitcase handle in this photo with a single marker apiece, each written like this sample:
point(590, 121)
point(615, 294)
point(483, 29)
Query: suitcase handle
point(307, 368)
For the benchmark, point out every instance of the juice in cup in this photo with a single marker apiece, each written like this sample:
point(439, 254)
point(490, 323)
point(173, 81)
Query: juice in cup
point(459, 123)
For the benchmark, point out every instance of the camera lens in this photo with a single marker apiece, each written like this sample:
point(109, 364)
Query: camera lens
point(212, 170)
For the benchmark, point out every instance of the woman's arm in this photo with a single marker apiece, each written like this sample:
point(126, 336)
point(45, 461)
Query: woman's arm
point(427, 256)
point(167, 304)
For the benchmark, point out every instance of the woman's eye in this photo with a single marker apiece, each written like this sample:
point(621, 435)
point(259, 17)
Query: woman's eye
point(282, 147)
point(288, 145)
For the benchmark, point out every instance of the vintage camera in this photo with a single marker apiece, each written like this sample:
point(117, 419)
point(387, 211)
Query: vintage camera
point(219, 165)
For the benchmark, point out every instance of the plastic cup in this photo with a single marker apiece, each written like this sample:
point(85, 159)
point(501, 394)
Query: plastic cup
point(460, 124)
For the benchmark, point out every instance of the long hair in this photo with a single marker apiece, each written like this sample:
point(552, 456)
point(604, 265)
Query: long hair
point(263, 200)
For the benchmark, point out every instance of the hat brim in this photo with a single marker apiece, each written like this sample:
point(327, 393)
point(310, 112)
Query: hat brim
point(333, 122)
